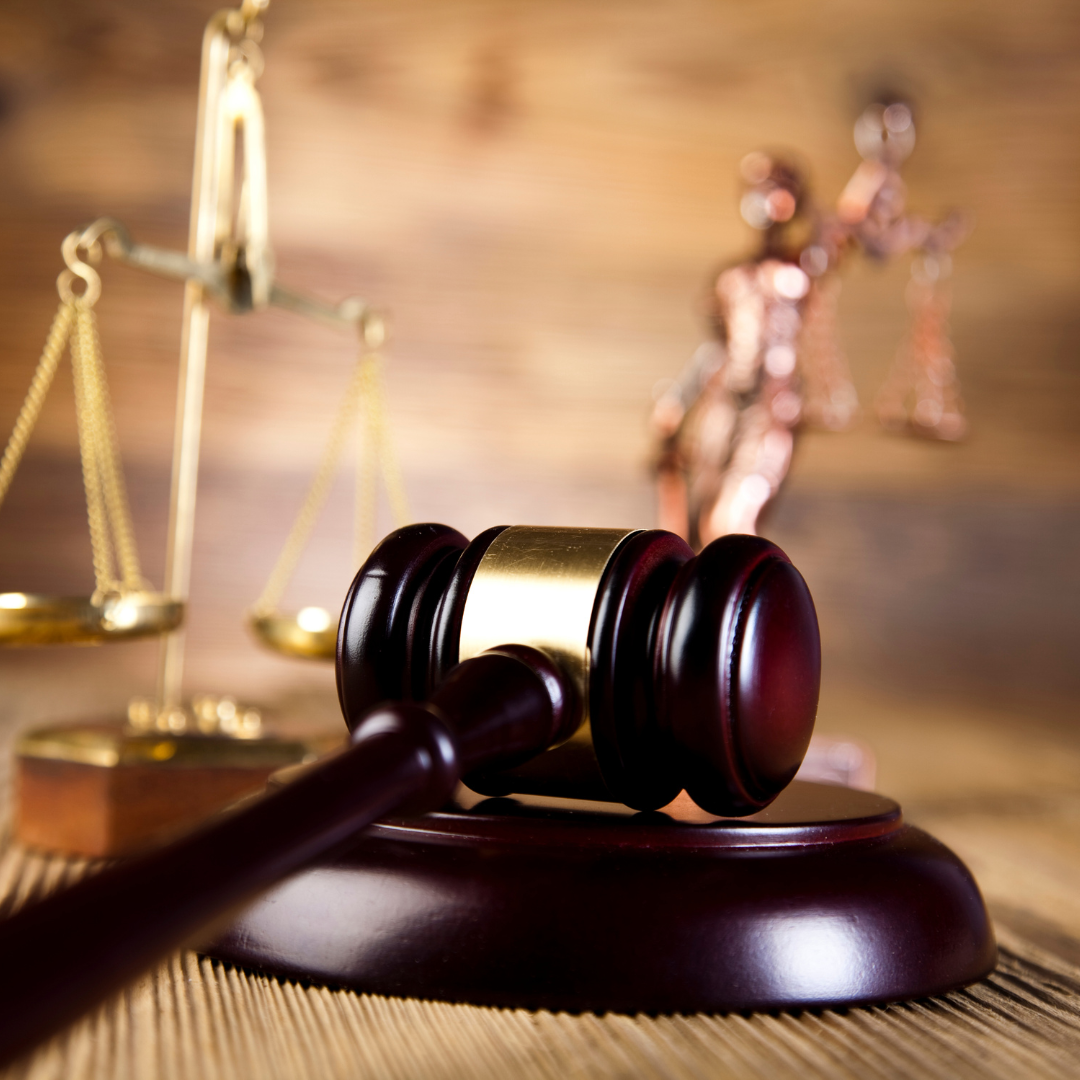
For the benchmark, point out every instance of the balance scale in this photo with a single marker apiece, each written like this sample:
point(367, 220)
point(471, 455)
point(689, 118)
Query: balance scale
point(102, 789)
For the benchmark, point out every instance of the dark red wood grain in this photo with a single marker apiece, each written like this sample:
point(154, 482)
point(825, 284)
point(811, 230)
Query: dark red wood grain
point(704, 671)
point(65, 954)
point(738, 670)
point(826, 898)
point(444, 631)
point(634, 754)
point(402, 579)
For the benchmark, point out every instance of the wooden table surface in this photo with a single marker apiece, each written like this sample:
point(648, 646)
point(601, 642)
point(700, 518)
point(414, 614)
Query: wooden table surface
point(972, 784)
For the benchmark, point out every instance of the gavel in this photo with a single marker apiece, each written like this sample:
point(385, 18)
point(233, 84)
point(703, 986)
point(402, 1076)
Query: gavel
point(547, 660)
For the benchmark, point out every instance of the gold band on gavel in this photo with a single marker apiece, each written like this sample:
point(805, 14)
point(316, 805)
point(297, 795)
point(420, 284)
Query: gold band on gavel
point(537, 586)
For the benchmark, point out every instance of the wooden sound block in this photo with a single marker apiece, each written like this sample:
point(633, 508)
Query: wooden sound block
point(99, 790)
point(825, 898)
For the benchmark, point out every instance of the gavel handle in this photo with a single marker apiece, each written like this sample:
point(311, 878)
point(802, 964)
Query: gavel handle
point(62, 956)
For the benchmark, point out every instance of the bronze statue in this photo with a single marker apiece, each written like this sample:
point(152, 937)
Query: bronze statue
point(726, 427)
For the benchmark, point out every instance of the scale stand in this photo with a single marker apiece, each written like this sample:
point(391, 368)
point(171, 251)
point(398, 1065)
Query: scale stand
point(104, 789)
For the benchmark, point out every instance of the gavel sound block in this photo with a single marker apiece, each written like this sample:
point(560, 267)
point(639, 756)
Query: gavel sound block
point(608, 664)
point(697, 673)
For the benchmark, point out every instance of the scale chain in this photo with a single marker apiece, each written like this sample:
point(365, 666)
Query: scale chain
point(364, 507)
point(35, 397)
point(364, 393)
point(91, 466)
point(313, 502)
point(103, 436)
point(112, 538)
point(379, 446)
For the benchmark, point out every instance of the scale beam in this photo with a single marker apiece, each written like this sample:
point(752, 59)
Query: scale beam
point(228, 284)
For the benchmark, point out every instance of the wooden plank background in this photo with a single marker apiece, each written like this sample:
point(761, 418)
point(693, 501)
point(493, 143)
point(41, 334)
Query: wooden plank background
point(539, 192)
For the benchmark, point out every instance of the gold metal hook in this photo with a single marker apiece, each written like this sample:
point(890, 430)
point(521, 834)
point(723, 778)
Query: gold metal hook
point(373, 330)
point(106, 229)
point(76, 268)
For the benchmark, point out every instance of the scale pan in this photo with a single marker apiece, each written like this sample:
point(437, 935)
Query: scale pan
point(36, 619)
point(310, 632)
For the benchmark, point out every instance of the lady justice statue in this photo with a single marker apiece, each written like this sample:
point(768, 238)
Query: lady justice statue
point(726, 427)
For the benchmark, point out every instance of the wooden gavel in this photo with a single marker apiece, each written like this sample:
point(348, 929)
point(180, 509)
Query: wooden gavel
point(508, 661)
point(697, 673)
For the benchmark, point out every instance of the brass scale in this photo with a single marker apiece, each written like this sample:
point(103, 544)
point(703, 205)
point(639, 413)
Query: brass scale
point(229, 260)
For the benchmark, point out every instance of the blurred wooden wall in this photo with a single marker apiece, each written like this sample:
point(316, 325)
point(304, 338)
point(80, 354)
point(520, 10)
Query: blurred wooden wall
point(538, 192)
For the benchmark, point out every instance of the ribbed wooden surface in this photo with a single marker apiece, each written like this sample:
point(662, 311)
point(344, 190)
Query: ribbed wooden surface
point(194, 1018)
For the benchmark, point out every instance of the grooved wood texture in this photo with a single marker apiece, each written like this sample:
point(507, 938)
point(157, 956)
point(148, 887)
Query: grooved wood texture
point(195, 1018)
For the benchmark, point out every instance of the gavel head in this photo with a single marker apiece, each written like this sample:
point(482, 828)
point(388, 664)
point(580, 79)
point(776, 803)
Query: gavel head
point(696, 672)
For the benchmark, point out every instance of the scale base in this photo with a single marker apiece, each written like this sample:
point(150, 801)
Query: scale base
point(102, 790)
point(826, 898)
